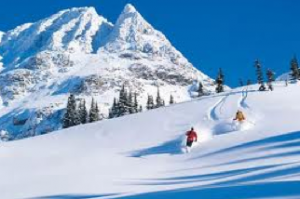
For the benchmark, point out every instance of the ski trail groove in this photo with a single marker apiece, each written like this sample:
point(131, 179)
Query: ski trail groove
point(212, 113)
point(242, 102)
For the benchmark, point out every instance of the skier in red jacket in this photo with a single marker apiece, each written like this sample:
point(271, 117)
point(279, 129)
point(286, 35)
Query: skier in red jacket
point(191, 137)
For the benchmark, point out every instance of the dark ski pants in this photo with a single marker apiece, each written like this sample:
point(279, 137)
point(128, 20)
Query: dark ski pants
point(189, 143)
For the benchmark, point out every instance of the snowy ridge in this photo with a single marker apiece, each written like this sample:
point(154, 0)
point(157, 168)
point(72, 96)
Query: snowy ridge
point(69, 30)
point(284, 77)
point(77, 51)
point(134, 157)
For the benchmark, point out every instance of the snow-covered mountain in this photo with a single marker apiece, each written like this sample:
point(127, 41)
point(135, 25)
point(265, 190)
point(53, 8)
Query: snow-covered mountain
point(78, 51)
point(140, 156)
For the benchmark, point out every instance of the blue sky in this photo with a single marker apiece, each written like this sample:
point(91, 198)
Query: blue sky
point(229, 34)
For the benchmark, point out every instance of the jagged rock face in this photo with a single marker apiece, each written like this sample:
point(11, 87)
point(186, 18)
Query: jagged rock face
point(78, 51)
point(162, 73)
point(17, 83)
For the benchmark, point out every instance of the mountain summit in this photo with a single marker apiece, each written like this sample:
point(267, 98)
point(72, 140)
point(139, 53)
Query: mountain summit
point(133, 33)
point(78, 51)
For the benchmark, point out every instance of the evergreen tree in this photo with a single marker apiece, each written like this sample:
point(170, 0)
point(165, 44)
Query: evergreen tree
point(150, 103)
point(130, 104)
point(110, 115)
point(200, 90)
point(295, 73)
point(127, 104)
point(92, 108)
point(123, 102)
point(271, 78)
point(260, 78)
point(71, 115)
point(83, 114)
point(171, 100)
point(94, 112)
point(135, 103)
point(114, 111)
point(97, 112)
point(220, 82)
point(159, 101)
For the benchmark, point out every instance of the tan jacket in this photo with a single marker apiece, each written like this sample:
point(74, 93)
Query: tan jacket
point(239, 116)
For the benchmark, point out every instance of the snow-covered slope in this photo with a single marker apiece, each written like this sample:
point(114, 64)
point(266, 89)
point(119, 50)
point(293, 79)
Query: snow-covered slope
point(78, 51)
point(140, 156)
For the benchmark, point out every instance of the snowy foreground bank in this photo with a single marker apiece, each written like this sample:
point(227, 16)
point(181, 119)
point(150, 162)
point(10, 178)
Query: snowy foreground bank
point(141, 156)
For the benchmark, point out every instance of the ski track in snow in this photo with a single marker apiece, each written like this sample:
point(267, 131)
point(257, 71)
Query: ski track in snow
point(251, 115)
point(216, 110)
point(221, 125)
point(242, 102)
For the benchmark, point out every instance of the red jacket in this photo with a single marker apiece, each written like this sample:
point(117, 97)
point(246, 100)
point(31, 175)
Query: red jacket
point(191, 136)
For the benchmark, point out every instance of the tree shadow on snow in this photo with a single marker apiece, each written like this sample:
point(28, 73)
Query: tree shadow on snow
point(293, 136)
point(280, 173)
point(247, 191)
point(172, 147)
point(206, 177)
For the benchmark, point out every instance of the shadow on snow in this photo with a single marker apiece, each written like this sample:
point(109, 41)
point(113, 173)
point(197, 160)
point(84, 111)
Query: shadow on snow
point(246, 191)
point(293, 136)
point(172, 147)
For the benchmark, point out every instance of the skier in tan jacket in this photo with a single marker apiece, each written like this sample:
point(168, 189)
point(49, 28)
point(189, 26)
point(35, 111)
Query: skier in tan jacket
point(239, 116)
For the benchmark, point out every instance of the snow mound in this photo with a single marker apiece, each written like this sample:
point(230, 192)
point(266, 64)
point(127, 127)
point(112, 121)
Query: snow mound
point(242, 126)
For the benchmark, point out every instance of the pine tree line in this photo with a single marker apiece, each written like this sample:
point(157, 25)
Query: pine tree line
point(128, 103)
point(77, 113)
point(294, 75)
point(125, 105)
point(159, 102)
point(260, 79)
